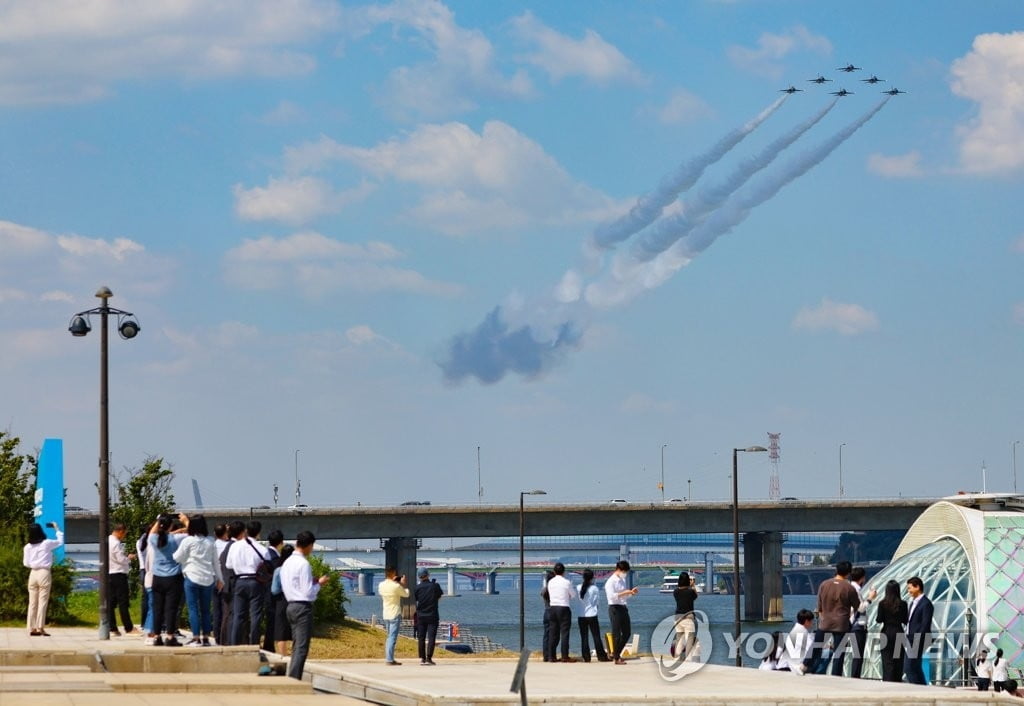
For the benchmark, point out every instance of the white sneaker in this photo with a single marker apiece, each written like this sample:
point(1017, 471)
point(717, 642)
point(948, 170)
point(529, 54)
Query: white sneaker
point(800, 670)
point(149, 641)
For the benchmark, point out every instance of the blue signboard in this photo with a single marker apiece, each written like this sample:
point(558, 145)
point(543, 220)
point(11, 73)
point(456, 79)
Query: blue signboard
point(49, 495)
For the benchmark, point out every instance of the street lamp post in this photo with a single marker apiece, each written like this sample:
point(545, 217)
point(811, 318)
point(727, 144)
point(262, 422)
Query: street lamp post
point(689, 489)
point(663, 472)
point(842, 491)
point(522, 591)
point(1013, 454)
point(128, 328)
point(736, 547)
point(298, 483)
point(479, 483)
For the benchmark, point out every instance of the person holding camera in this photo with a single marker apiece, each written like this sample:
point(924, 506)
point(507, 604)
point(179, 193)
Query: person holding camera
point(428, 593)
point(37, 556)
point(392, 590)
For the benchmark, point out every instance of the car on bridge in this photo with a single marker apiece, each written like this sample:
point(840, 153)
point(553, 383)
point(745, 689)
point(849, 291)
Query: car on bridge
point(416, 502)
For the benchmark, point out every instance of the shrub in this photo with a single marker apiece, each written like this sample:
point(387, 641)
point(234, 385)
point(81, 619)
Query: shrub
point(330, 603)
point(14, 584)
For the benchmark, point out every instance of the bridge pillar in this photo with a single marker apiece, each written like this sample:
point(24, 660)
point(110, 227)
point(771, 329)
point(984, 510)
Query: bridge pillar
point(772, 561)
point(400, 552)
point(364, 582)
point(490, 582)
point(753, 577)
point(451, 580)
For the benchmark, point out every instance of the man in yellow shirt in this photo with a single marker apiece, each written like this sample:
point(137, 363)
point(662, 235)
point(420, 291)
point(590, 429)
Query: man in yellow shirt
point(392, 590)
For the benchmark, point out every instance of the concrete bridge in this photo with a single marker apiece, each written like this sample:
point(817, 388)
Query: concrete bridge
point(401, 528)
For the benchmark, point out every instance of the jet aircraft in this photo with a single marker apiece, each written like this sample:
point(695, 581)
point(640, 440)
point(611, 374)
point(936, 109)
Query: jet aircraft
point(842, 92)
point(894, 91)
point(873, 79)
point(791, 90)
point(849, 68)
point(821, 79)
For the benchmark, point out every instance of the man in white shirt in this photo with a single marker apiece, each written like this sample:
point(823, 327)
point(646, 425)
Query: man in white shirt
point(561, 593)
point(244, 559)
point(798, 643)
point(392, 590)
point(617, 591)
point(119, 566)
point(300, 590)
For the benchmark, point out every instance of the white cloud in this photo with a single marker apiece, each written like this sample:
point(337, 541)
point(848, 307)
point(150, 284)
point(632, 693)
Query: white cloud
point(765, 58)
point(284, 113)
point(317, 266)
point(897, 166)
point(638, 403)
point(67, 51)
point(463, 65)
point(498, 178)
point(46, 266)
point(17, 239)
point(309, 245)
point(847, 319)
point(591, 57)
point(294, 200)
point(12, 295)
point(681, 107)
point(992, 75)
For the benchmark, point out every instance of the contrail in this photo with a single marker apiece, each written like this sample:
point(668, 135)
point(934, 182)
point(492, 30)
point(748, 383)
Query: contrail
point(628, 281)
point(650, 206)
point(662, 234)
point(529, 340)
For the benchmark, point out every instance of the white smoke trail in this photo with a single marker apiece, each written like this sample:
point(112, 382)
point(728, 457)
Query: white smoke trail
point(626, 281)
point(662, 234)
point(650, 206)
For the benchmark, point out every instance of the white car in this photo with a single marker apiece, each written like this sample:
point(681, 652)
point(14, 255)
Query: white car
point(298, 507)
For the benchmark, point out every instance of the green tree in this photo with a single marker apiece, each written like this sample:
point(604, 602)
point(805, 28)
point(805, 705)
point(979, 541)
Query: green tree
point(330, 602)
point(17, 487)
point(142, 494)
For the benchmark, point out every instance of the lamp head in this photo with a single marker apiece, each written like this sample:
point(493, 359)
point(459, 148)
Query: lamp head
point(129, 329)
point(754, 449)
point(79, 326)
point(104, 293)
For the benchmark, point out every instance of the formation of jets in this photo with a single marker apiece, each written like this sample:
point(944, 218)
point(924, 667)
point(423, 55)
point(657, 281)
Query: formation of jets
point(849, 68)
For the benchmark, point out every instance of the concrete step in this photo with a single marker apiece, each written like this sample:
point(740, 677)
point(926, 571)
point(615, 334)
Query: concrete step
point(30, 682)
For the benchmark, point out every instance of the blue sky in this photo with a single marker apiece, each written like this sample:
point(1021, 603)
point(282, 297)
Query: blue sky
point(371, 232)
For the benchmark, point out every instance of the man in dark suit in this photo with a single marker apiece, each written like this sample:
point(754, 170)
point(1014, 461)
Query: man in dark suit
point(919, 631)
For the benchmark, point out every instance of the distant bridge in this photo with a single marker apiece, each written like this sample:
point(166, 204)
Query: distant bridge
point(402, 528)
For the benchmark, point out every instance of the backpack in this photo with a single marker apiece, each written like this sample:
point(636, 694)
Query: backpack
point(265, 569)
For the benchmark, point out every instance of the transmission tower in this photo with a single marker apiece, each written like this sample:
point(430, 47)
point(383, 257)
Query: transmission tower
point(773, 455)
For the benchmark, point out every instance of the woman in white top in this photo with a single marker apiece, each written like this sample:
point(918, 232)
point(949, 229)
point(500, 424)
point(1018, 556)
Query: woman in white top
point(200, 564)
point(1000, 672)
point(590, 597)
point(983, 670)
point(37, 556)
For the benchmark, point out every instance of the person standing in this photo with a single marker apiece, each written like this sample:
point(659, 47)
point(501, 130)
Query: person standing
point(892, 614)
point(37, 557)
point(244, 558)
point(686, 627)
point(561, 594)
point(282, 630)
point(275, 541)
point(859, 619)
point(392, 590)
point(617, 592)
point(919, 631)
point(588, 623)
point(1000, 672)
point(837, 600)
point(220, 543)
point(427, 594)
point(234, 533)
point(167, 582)
point(798, 643)
point(549, 639)
point(200, 565)
point(983, 670)
point(118, 567)
point(300, 590)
